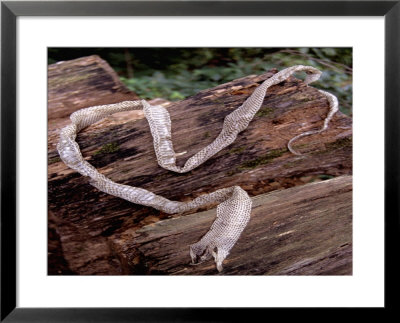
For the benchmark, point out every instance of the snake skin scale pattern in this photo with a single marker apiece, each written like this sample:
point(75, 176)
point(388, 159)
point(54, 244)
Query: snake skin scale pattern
point(233, 211)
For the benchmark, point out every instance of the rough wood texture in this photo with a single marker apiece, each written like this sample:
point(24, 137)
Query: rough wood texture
point(80, 83)
point(304, 230)
point(89, 222)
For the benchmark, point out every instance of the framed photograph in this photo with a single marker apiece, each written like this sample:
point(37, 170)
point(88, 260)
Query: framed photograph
point(162, 159)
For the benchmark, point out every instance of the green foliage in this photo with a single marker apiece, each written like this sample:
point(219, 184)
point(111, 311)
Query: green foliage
point(207, 68)
point(336, 65)
point(176, 73)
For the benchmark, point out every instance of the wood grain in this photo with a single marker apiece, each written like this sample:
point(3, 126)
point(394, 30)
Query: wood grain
point(88, 221)
point(304, 230)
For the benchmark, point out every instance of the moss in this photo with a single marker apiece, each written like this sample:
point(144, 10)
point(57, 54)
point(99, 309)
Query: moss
point(338, 144)
point(237, 150)
point(207, 135)
point(232, 172)
point(54, 160)
point(107, 149)
point(262, 160)
point(300, 146)
point(263, 112)
point(68, 79)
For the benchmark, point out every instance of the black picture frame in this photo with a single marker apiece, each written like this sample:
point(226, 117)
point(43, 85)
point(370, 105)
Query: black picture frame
point(10, 10)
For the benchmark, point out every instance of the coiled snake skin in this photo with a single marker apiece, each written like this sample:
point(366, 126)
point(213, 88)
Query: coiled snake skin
point(233, 211)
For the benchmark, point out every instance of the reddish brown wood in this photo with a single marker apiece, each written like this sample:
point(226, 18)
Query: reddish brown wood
point(89, 222)
point(304, 230)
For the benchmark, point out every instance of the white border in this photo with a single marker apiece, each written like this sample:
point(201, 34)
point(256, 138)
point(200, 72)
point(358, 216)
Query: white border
point(364, 288)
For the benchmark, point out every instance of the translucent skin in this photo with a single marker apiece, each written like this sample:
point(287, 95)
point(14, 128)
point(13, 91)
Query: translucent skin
point(233, 211)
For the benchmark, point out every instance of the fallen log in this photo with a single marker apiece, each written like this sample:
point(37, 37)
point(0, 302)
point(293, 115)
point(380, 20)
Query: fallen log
point(89, 222)
point(79, 83)
point(82, 82)
point(304, 230)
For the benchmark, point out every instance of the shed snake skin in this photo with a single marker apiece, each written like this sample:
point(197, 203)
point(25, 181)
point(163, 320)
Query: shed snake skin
point(234, 204)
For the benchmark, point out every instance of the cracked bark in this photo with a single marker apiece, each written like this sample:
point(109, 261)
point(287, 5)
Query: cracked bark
point(96, 229)
point(304, 230)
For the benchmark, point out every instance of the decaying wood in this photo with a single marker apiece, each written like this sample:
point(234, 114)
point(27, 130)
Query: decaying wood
point(304, 230)
point(90, 222)
point(80, 83)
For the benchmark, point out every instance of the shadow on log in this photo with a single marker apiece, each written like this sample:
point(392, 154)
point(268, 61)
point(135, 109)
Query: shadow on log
point(91, 224)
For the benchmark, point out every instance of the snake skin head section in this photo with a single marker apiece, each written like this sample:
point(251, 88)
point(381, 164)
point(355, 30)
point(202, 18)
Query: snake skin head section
point(234, 209)
point(312, 74)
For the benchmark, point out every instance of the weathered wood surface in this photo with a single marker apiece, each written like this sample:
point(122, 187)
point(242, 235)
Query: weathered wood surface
point(304, 230)
point(88, 221)
point(82, 82)
point(79, 83)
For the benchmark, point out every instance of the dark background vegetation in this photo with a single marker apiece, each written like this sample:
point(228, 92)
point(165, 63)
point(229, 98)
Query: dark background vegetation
point(176, 73)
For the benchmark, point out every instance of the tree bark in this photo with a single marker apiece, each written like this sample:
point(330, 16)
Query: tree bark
point(90, 223)
point(304, 230)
